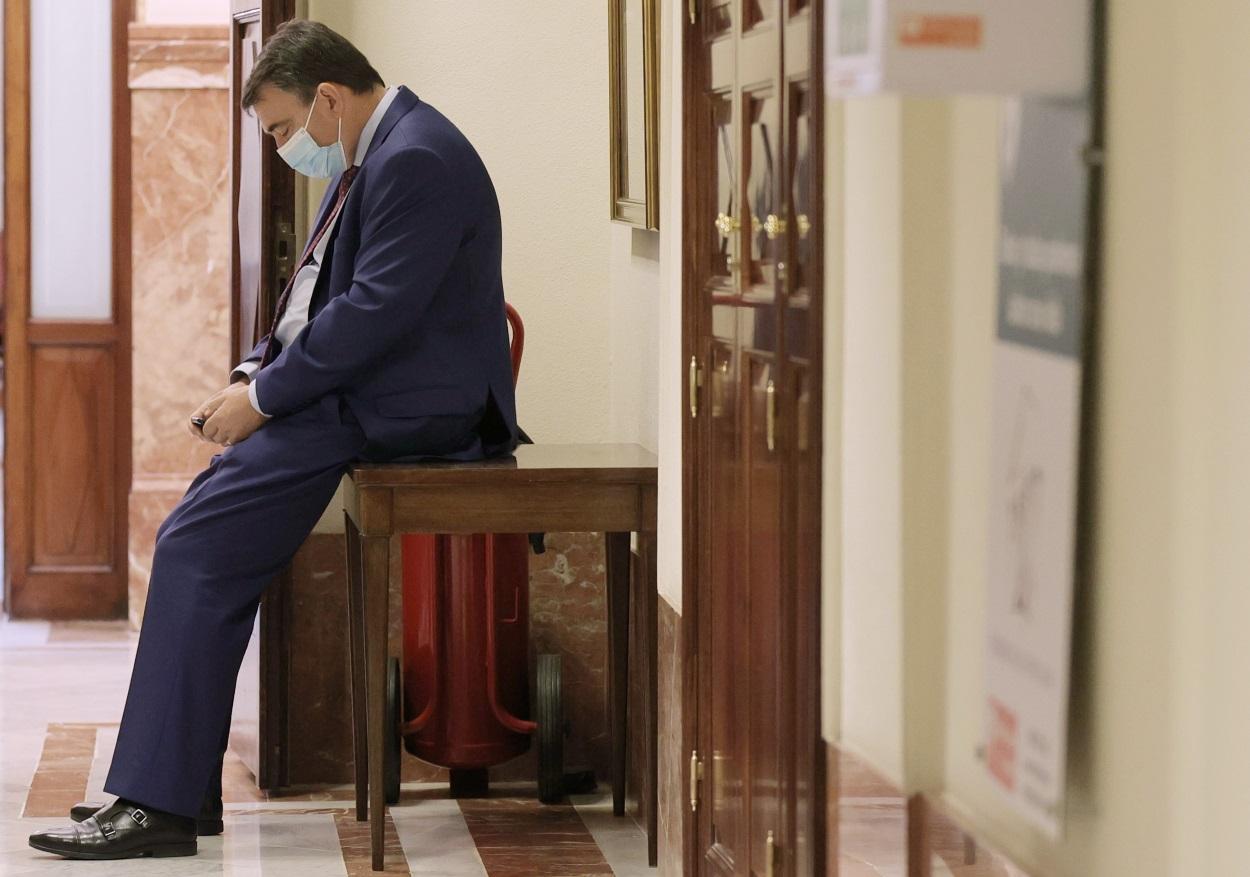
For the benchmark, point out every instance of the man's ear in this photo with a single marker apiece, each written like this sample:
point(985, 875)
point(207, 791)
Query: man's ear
point(332, 96)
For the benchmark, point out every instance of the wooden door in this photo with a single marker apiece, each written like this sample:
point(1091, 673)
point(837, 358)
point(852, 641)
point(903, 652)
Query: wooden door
point(802, 850)
point(752, 328)
point(67, 334)
point(262, 257)
point(263, 188)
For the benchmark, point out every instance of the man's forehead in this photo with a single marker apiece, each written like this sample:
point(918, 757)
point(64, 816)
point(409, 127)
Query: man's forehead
point(273, 103)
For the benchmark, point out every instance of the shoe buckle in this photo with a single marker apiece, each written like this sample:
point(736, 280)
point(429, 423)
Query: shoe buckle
point(107, 829)
point(139, 816)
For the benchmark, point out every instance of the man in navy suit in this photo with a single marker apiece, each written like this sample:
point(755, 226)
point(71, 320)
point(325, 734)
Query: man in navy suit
point(390, 342)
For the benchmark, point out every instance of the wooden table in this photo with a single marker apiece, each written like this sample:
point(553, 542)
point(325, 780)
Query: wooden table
point(608, 488)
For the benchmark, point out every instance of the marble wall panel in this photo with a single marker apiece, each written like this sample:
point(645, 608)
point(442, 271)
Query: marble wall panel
point(671, 751)
point(151, 500)
point(567, 616)
point(180, 202)
point(178, 56)
point(872, 821)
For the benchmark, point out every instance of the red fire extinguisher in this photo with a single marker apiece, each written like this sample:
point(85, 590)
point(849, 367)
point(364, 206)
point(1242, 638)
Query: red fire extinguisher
point(459, 697)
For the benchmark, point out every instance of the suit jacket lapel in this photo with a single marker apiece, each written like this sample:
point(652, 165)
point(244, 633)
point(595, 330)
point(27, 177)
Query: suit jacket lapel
point(404, 101)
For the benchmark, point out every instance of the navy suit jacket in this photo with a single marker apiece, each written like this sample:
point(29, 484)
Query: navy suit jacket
point(407, 322)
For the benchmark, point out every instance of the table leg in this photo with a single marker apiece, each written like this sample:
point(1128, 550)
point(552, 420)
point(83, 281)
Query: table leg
point(649, 594)
point(376, 551)
point(356, 653)
point(617, 557)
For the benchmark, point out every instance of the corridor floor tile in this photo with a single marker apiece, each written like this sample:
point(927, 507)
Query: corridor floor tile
point(62, 688)
point(519, 836)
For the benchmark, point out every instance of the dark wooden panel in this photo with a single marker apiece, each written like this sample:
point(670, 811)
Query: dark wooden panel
point(17, 297)
point(601, 463)
point(60, 595)
point(72, 457)
point(541, 507)
point(753, 337)
point(72, 332)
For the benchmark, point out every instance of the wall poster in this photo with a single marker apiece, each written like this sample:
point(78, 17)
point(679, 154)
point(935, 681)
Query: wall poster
point(1035, 451)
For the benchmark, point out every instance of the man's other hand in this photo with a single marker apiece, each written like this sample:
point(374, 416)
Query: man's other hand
point(229, 417)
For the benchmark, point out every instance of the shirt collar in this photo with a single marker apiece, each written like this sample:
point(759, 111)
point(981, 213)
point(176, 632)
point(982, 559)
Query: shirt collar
point(371, 126)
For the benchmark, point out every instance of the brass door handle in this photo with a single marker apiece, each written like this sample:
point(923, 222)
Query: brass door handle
point(774, 225)
point(770, 854)
point(693, 10)
point(695, 383)
point(696, 774)
point(727, 224)
point(770, 415)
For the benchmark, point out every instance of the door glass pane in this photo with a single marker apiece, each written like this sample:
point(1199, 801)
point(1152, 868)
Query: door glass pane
point(71, 203)
point(760, 109)
point(719, 19)
point(799, 230)
point(800, 186)
point(757, 11)
point(724, 238)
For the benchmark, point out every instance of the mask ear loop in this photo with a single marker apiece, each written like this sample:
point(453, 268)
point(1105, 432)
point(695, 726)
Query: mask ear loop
point(310, 109)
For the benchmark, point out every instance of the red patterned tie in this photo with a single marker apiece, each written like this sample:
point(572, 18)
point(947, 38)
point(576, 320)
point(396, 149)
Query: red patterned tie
point(344, 182)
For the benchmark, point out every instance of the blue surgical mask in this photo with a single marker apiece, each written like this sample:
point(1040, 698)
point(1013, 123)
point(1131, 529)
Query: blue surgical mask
point(305, 156)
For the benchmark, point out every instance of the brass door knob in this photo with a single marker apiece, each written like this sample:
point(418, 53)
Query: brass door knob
point(726, 224)
point(773, 226)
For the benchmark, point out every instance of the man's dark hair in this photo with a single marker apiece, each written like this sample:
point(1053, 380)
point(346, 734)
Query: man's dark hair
point(300, 55)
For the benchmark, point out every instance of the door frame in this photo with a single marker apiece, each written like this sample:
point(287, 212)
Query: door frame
point(277, 221)
point(81, 587)
point(693, 327)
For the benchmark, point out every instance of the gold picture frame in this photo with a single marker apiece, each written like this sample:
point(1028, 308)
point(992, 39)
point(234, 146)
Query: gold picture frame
point(634, 121)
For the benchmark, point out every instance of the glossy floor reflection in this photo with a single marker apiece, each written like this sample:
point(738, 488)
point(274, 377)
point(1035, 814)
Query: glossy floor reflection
point(62, 688)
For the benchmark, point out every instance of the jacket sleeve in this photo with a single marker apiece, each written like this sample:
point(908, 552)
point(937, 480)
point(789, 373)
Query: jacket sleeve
point(411, 230)
point(251, 362)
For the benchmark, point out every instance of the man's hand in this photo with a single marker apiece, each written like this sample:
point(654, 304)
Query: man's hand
point(228, 415)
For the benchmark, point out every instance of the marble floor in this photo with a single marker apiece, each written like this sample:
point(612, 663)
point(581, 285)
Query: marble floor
point(62, 688)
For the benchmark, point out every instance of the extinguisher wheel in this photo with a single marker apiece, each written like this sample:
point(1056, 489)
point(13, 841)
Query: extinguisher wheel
point(391, 741)
point(550, 719)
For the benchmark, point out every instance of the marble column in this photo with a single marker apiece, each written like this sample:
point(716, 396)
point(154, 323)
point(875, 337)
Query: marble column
point(180, 208)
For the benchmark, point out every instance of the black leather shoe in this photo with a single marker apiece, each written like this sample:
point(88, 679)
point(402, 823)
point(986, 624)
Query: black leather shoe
point(121, 830)
point(207, 823)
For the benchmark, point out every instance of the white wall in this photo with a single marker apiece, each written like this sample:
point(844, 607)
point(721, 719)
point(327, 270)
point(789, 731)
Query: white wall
point(670, 368)
point(872, 586)
point(528, 84)
point(1159, 770)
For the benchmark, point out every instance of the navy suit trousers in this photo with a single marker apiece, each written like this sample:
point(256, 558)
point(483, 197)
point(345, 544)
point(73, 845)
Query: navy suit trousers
point(238, 524)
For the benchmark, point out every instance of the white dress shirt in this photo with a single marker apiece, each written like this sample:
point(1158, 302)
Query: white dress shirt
point(295, 317)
